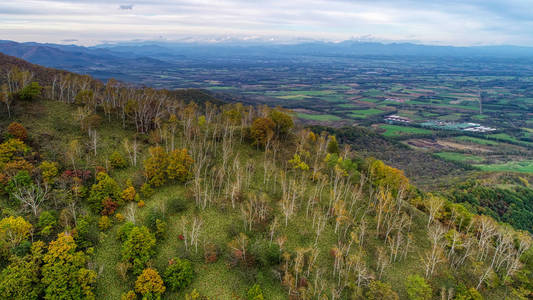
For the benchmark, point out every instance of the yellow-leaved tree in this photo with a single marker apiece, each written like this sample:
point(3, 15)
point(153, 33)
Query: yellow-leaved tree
point(14, 230)
point(149, 284)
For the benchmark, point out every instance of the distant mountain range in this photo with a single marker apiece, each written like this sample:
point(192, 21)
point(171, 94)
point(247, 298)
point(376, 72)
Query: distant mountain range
point(71, 56)
point(172, 50)
point(156, 52)
point(130, 61)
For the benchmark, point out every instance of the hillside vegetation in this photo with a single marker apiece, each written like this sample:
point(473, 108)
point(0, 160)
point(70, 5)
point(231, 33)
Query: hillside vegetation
point(115, 192)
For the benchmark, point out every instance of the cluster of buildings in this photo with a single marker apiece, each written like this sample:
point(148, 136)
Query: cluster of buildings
point(394, 99)
point(469, 127)
point(479, 128)
point(397, 119)
point(435, 124)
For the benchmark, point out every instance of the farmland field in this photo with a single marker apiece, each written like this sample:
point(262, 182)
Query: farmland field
point(459, 157)
point(317, 117)
point(396, 130)
point(476, 140)
point(364, 113)
point(513, 166)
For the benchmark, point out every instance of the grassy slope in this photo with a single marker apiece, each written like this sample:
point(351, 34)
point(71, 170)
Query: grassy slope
point(47, 124)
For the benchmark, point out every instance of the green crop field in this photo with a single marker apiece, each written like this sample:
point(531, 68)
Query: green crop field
point(359, 114)
point(318, 117)
point(475, 140)
point(459, 157)
point(396, 130)
point(525, 166)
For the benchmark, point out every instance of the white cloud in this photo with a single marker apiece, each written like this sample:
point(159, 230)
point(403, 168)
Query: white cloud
point(446, 22)
point(126, 6)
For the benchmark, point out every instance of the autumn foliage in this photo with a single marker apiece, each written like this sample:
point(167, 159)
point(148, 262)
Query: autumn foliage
point(162, 166)
point(64, 272)
point(13, 230)
point(138, 248)
point(149, 284)
point(17, 131)
point(262, 131)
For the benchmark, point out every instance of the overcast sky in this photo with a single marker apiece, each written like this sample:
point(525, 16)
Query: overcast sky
point(450, 22)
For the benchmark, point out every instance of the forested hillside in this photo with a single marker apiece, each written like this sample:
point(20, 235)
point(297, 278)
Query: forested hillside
point(116, 192)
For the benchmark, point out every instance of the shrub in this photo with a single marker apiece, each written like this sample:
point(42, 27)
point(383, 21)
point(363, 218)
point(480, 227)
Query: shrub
point(106, 187)
point(262, 131)
point(149, 284)
point(255, 293)
point(84, 97)
point(17, 131)
point(179, 274)
point(104, 223)
point(12, 149)
point(21, 179)
point(146, 190)
point(179, 165)
point(124, 230)
point(85, 233)
point(333, 145)
point(161, 166)
point(138, 248)
point(160, 229)
point(384, 175)
point(119, 217)
point(117, 160)
point(151, 218)
point(467, 294)
point(128, 194)
point(418, 288)
point(71, 175)
point(283, 122)
point(48, 171)
point(176, 205)
point(47, 222)
point(15, 166)
point(108, 206)
point(378, 290)
point(267, 254)
point(130, 295)
point(30, 91)
point(210, 253)
point(3, 183)
point(155, 165)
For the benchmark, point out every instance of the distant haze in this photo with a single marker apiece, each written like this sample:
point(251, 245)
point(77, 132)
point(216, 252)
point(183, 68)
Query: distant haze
point(90, 22)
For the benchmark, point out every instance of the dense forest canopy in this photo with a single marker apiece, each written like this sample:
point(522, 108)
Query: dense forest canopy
point(115, 192)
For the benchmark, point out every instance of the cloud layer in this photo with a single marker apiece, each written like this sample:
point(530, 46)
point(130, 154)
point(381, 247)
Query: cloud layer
point(455, 22)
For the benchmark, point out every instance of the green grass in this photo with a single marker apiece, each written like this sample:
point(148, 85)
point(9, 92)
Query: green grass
point(364, 113)
point(294, 97)
point(348, 105)
point(318, 117)
point(397, 130)
point(451, 117)
point(373, 93)
point(369, 100)
point(459, 157)
point(476, 140)
point(503, 136)
point(525, 166)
